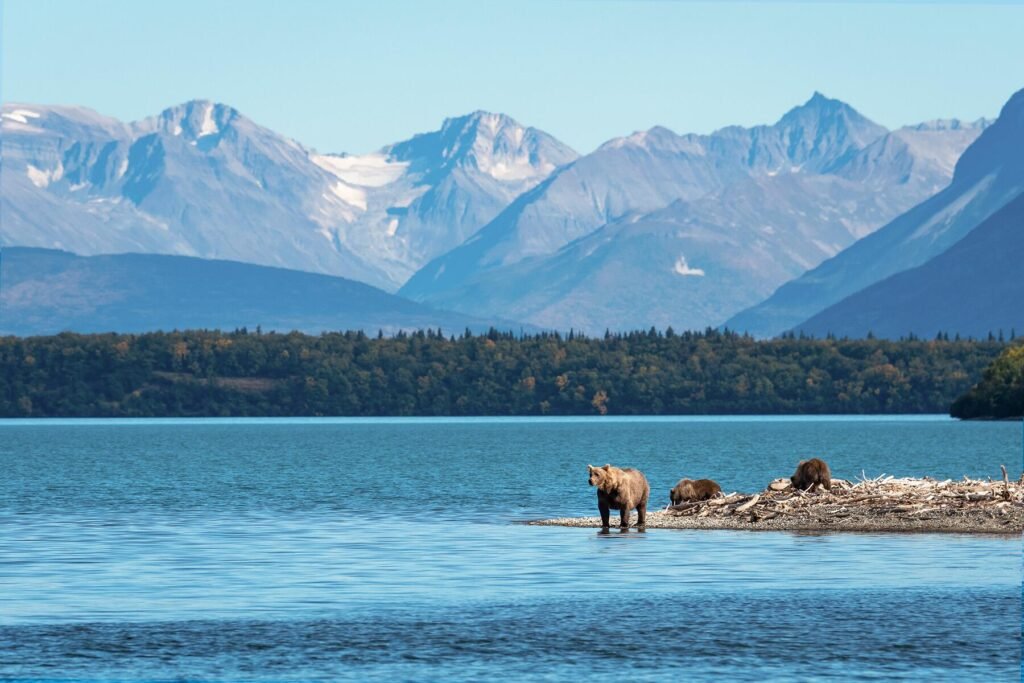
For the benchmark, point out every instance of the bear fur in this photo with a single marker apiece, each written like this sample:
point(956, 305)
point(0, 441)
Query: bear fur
point(620, 489)
point(810, 474)
point(690, 490)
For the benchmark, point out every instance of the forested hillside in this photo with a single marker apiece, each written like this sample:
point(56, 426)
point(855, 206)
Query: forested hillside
point(1000, 394)
point(245, 373)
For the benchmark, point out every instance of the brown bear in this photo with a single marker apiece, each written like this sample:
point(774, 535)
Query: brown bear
point(620, 489)
point(810, 474)
point(689, 490)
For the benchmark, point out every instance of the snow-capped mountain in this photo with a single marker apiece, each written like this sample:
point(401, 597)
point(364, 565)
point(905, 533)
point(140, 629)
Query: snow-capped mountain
point(422, 197)
point(988, 175)
point(201, 179)
point(500, 220)
point(686, 230)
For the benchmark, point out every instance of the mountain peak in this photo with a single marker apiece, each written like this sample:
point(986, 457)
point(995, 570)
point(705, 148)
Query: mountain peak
point(820, 105)
point(480, 122)
point(482, 115)
point(493, 143)
point(194, 119)
point(823, 131)
point(819, 98)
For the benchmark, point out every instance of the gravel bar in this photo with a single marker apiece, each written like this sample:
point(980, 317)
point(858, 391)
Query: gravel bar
point(883, 504)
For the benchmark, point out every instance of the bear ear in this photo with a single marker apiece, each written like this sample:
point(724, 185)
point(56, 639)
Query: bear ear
point(607, 467)
point(590, 468)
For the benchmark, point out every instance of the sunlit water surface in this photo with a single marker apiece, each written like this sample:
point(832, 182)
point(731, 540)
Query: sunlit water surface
point(390, 550)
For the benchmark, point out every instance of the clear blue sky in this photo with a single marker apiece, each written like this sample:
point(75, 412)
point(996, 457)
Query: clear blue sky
point(352, 76)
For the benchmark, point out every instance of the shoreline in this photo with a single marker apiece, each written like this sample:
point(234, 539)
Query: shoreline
point(881, 505)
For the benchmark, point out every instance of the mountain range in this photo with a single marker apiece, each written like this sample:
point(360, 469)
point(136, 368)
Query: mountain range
point(201, 179)
point(762, 229)
point(687, 230)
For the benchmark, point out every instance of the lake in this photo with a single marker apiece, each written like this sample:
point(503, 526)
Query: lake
point(392, 549)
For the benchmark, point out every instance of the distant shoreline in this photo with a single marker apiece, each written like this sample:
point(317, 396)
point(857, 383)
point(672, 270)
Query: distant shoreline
point(428, 373)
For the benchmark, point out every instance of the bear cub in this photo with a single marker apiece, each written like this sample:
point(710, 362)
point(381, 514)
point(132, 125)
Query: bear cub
point(810, 474)
point(688, 490)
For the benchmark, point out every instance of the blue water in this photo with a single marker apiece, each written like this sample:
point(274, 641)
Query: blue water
point(391, 550)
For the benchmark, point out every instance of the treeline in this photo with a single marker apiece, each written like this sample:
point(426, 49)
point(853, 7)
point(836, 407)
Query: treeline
point(1000, 393)
point(241, 373)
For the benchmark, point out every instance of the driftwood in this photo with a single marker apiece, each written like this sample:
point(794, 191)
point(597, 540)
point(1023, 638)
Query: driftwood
point(750, 503)
point(879, 497)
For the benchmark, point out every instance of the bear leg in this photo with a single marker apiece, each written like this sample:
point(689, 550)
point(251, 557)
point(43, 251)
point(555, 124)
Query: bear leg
point(641, 515)
point(624, 517)
point(605, 514)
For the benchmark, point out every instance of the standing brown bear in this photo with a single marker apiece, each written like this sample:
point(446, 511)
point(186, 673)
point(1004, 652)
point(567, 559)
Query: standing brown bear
point(688, 490)
point(810, 474)
point(620, 489)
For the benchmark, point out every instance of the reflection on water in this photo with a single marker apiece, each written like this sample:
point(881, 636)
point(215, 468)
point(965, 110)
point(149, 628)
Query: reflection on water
point(391, 552)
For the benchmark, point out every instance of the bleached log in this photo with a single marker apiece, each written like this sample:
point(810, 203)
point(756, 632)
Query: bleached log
point(750, 503)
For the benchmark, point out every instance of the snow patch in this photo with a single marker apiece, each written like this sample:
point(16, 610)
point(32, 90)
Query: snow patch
point(392, 227)
point(684, 269)
point(492, 121)
point(42, 178)
point(208, 126)
point(122, 168)
point(20, 115)
point(517, 168)
point(350, 195)
point(368, 170)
